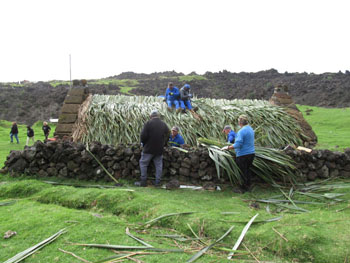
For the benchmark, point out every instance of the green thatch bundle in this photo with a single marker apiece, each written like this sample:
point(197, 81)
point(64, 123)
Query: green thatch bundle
point(119, 119)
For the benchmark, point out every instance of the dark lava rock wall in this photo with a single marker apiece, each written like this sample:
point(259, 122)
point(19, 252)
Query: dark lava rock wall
point(70, 160)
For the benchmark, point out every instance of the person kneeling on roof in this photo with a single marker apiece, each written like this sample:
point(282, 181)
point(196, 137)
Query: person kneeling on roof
point(172, 95)
point(175, 138)
point(185, 97)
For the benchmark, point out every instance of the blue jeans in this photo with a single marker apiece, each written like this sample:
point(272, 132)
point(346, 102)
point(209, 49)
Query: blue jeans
point(186, 103)
point(171, 102)
point(16, 136)
point(158, 163)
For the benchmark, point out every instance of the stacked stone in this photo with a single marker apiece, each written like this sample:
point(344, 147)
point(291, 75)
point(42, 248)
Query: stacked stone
point(69, 111)
point(281, 97)
point(321, 164)
point(71, 160)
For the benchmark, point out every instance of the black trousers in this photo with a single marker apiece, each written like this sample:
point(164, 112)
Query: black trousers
point(244, 163)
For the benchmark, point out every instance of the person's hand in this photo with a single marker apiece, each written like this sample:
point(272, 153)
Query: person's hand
point(190, 95)
point(225, 148)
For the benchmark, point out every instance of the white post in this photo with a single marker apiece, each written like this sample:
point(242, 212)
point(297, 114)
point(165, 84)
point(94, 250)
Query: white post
point(70, 71)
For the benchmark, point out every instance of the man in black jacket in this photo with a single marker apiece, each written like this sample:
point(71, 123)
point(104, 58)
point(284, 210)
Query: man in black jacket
point(154, 135)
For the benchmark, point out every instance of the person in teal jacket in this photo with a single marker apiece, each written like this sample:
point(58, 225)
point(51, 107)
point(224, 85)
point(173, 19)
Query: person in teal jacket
point(245, 151)
point(175, 138)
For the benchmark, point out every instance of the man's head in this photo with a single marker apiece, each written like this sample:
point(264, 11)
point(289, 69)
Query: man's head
point(154, 114)
point(174, 131)
point(45, 123)
point(243, 120)
point(226, 129)
point(170, 85)
point(187, 86)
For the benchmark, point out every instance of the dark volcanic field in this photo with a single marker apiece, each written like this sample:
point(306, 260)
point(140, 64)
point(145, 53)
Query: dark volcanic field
point(30, 102)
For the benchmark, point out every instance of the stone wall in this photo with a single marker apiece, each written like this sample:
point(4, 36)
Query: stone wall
point(71, 160)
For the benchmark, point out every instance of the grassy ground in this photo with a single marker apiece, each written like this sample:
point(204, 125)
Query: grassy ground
point(101, 216)
point(332, 126)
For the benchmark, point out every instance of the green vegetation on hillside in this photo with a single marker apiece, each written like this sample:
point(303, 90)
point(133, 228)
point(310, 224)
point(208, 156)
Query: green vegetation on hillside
point(118, 82)
point(332, 126)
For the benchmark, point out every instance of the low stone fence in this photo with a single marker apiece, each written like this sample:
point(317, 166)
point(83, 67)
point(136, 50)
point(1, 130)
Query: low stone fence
point(71, 160)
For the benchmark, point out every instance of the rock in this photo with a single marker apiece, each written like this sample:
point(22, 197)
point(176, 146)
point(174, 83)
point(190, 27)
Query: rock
point(9, 234)
point(43, 173)
point(330, 165)
point(63, 172)
point(173, 184)
point(311, 176)
point(323, 172)
point(52, 171)
point(71, 165)
point(184, 172)
point(19, 165)
point(334, 173)
point(203, 165)
point(29, 154)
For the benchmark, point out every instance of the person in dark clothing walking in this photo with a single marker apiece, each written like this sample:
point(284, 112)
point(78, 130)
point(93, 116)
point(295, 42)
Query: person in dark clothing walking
point(14, 132)
point(154, 136)
point(30, 135)
point(46, 128)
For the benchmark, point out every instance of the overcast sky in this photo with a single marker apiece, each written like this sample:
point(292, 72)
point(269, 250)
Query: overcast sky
point(106, 38)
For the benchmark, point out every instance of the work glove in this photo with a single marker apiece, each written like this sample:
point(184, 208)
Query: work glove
point(190, 95)
point(171, 94)
point(225, 148)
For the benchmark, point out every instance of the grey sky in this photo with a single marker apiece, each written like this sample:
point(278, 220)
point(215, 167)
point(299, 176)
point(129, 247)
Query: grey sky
point(109, 37)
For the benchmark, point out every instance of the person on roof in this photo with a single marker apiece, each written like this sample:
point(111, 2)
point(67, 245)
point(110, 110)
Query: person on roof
point(185, 97)
point(175, 138)
point(172, 96)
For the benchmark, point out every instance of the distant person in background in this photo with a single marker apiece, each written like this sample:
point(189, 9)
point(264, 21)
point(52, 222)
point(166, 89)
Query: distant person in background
point(46, 128)
point(231, 135)
point(175, 138)
point(172, 96)
point(30, 135)
point(14, 132)
point(185, 97)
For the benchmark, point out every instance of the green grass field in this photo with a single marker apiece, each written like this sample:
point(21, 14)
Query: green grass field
point(100, 216)
point(332, 126)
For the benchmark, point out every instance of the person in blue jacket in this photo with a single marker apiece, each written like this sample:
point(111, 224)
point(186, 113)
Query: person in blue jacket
point(172, 96)
point(231, 135)
point(245, 151)
point(175, 138)
point(185, 97)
